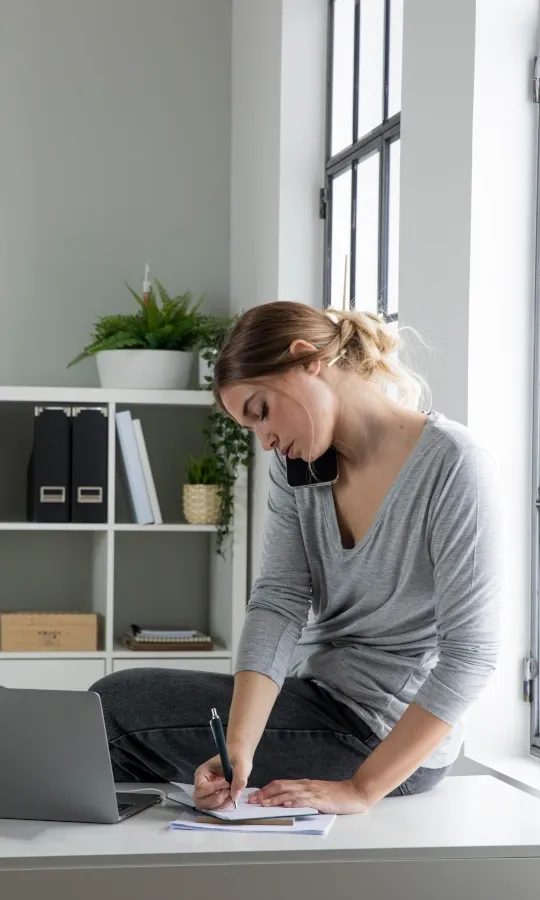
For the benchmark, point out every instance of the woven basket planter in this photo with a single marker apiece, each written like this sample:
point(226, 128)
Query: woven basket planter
point(202, 504)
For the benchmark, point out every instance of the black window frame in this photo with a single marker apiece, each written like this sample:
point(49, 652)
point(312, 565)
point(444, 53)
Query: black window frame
point(380, 139)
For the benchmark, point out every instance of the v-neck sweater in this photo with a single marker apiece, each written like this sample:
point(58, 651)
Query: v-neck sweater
point(411, 612)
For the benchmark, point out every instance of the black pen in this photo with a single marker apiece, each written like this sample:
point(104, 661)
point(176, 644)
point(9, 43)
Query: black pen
point(219, 737)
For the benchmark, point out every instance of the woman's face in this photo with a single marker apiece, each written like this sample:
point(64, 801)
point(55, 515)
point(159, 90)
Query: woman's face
point(294, 413)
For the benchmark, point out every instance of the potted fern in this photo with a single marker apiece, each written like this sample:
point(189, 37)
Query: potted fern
point(201, 495)
point(170, 327)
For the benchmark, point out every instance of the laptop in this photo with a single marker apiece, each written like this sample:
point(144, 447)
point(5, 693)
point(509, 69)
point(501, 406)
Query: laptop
point(54, 760)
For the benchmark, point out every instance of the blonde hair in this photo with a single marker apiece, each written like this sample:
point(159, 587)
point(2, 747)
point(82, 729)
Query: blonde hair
point(259, 345)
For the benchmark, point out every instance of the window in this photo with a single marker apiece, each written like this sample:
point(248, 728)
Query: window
point(361, 193)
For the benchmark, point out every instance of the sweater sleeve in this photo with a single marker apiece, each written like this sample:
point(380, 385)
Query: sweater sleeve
point(280, 598)
point(465, 545)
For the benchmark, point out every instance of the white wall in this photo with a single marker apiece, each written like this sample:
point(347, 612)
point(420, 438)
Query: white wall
point(115, 150)
point(467, 274)
point(435, 191)
point(501, 331)
point(277, 167)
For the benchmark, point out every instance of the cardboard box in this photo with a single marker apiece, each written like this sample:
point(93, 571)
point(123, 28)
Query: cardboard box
point(32, 631)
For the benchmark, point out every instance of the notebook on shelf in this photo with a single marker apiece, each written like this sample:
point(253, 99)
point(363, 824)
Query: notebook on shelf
point(167, 640)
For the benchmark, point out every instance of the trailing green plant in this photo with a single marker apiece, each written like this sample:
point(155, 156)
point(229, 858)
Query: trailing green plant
point(162, 322)
point(204, 470)
point(232, 448)
point(227, 441)
point(214, 332)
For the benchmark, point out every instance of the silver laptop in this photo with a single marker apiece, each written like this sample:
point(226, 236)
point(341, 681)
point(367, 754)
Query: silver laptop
point(54, 760)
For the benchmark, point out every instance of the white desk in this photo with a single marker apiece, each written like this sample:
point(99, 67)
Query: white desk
point(470, 837)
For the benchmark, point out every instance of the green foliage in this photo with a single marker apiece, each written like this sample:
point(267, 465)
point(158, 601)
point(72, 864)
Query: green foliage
point(231, 447)
point(229, 443)
point(161, 323)
point(214, 333)
point(204, 470)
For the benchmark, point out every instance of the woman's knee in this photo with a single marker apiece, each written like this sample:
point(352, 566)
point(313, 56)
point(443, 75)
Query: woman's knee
point(147, 697)
point(118, 693)
point(118, 685)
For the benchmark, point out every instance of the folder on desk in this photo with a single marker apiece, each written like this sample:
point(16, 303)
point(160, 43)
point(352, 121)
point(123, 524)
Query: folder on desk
point(48, 475)
point(89, 463)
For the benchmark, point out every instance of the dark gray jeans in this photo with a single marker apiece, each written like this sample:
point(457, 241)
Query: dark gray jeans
point(157, 726)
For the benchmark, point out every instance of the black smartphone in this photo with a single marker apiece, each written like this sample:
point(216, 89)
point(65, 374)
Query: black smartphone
point(323, 470)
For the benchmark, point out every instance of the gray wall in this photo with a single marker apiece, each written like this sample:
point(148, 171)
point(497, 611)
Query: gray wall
point(115, 150)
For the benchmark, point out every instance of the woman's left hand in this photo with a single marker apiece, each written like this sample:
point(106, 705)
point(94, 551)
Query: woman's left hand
point(340, 797)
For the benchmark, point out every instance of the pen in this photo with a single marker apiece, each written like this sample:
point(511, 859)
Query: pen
point(219, 737)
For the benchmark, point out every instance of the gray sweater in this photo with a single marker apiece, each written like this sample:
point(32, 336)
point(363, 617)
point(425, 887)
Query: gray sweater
point(410, 613)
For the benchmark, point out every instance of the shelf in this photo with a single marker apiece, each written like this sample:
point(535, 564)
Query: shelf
point(55, 654)
point(173, 526)
point(51, 526)
point(89, 526)
point(112, 568)
point(81, 396)
point(120, 652)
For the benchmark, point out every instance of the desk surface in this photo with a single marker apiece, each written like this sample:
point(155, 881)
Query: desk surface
point(465, 817)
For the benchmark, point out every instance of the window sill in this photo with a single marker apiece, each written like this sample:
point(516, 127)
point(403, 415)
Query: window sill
point(520, 771)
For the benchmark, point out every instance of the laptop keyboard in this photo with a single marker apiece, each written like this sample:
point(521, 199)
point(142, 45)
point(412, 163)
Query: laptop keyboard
point(123, 806)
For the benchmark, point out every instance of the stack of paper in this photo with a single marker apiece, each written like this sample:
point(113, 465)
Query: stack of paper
point(305, 820)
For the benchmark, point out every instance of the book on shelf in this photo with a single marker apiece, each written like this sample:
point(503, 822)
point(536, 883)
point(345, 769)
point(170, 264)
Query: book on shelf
point(167, 640)
point(147, 471)
point(133, 468)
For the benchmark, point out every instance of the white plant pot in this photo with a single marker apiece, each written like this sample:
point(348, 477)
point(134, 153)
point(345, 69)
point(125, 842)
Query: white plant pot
point(144, 369)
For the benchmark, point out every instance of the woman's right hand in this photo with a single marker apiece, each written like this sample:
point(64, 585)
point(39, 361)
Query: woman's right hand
point(212, 791)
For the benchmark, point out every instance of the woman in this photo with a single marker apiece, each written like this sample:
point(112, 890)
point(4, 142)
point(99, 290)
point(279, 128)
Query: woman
point(373, 624)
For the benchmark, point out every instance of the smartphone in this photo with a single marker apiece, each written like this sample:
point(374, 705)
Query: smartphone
point(323, 470)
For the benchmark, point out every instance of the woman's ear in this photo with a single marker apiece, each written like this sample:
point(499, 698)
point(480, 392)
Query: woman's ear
point(301, 348)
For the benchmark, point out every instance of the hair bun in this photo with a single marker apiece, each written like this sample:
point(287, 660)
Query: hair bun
point(259, 345)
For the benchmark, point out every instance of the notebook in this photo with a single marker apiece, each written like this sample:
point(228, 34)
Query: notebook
point(167, 634)
point(236, 820)
point(166, 640)
point(245, 810)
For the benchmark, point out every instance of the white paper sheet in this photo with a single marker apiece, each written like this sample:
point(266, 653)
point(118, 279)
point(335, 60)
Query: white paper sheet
point(317, 825)
point(245, 810)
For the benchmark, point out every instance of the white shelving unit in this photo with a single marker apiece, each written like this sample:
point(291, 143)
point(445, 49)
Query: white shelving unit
point(155, 575)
